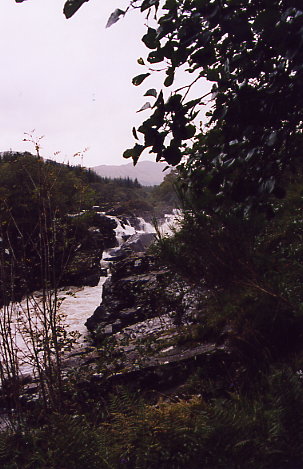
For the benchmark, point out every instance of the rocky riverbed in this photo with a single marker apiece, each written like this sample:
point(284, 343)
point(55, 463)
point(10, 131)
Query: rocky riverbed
point(148, 330)
point(143, 329)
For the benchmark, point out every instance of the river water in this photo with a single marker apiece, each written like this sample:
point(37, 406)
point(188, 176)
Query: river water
point(76, 303)
point(83, 301)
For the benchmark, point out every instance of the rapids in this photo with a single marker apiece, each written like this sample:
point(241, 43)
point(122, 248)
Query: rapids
point(77, 303)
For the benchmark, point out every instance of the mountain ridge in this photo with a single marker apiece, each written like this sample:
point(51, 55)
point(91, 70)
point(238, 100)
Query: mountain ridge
point(148, 173)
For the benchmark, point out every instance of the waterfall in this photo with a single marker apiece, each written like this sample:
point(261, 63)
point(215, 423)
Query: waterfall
point(78, 303)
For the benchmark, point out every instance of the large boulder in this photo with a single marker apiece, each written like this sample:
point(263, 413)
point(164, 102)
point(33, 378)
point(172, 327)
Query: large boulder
point(129, 295)
point(140, 289)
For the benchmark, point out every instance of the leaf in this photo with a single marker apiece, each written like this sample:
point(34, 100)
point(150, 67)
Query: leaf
point(70, 7)
point(128, 153)
point(140, 61)
point(160, 100)
point(271, 140)
point(190, 131)
point(205, 56)
point(151, 92)
point(170, 5)
point(134, 152)
point(135, 133)
point(169, 80)
point(174, 103)
point(212, 75)
point(139, 79)
point(148, 3)
point(152, 138)
point(172, 155)
point(147, 105)
point(266, 19)
point(150, 39)
point(155, 56)
point(268, 186)
point(114, 17)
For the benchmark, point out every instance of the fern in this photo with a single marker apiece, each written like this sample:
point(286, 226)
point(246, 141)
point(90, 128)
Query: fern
point(4, 447)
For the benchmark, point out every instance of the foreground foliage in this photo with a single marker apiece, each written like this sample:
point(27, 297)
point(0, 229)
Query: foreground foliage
point(242, 238)
point(235, 432)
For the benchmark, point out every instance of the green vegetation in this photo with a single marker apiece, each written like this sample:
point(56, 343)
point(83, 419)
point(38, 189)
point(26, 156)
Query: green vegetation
point(128, 197)
point(241, 242)
point(263, 432)
point(36, 197)
point(32, 189)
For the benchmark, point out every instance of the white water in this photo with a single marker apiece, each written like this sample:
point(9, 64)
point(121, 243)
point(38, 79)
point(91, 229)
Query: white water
point(84, 302)
point(77, 304)
point(171, 223)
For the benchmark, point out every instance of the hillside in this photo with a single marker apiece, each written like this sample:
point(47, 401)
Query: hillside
point(148, 173)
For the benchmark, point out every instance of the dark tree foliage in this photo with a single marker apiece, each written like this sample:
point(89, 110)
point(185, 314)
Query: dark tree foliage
point(252, 52)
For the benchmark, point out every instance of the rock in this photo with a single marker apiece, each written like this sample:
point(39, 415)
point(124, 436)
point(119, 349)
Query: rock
point(84, 269)
point(138, 242)
point(138, 290)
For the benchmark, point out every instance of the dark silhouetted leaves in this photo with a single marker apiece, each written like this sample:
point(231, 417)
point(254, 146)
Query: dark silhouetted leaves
point(252, 53)
point(170, 77)
point(150, 39)
point(114, 17)
point(149, 3)
point(151, 92)
point(145, 106)
point(172, 155)
point(135, 133)
point(134, 152)
point(71, 6)
point(204, 56)
point(174, 103)
point(139, 79)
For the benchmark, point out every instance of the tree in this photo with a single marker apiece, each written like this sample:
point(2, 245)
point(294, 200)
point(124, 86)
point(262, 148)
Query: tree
point(252, 53)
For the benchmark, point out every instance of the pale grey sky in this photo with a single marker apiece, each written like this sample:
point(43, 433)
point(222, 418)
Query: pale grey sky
point(70, 80)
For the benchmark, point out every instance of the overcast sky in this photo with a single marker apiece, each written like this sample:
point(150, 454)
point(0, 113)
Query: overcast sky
point(70, 80)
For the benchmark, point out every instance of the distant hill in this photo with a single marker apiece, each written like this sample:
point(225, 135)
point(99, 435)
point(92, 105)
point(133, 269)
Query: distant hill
point(148, 173)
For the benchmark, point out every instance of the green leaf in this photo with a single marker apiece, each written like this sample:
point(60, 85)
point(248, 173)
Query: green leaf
point(114, 17)
point(70, 7)
point(151, 92)
point(139, 79)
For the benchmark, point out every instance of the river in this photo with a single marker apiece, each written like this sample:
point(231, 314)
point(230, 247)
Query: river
point(76, 303)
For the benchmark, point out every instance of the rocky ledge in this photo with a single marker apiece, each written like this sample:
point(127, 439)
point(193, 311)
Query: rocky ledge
point(149, 327)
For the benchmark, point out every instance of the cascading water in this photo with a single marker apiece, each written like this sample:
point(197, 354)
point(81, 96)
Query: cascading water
point(77, 304)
